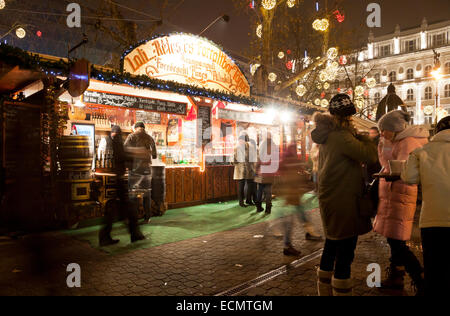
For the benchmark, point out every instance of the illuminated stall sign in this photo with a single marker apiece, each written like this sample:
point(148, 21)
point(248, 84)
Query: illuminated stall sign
point(249, 117)
point(187, 59)
point(134, 102)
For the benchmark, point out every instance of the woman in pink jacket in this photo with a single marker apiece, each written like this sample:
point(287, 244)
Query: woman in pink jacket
point(397, 203)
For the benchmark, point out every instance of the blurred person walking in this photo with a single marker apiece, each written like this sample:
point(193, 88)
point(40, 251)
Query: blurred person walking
point(430, 167)
point(266, 170)
point(341, 184)
point(294, 183)
point(125, 208)
point(397, 199)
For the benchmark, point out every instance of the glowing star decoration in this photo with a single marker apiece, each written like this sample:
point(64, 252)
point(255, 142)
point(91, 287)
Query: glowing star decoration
point(290, 3)
point(359, 90)
point(253, 68)
point(259, 30)
point(281, 55)
point(324, 103)
point(272, 77)
point(332, 53)
point(371, 82)
point(269, 4)
point(317, 101)
point(2, 4)
point(428, 110)
point(300, 90)
point(321, 25)
point(20, 32)
point(326, 86)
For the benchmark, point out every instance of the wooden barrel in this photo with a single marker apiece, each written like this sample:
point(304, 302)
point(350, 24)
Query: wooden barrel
point(158, 183)
point(75, 153)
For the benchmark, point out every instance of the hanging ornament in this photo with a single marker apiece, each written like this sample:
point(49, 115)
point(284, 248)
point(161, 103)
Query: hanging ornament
point(259, 30)
point(363, 80)
point(350, 91)
point(272, 77)
point(359, 90)
point(326, 86)
point(281, 55)
point(332, 53)
point(321, 25)
point(289, 65)
point(253, 68)
point(20, 32)
point(371, 82)
point(290, 3)
point(322, 95)
point(338, 89)
point(366, 93)
point(343, 60)
point(269, 4)
point(300, 90)
point(324, 103)
point(339, 17)
point(289, 52)
point(317, 101)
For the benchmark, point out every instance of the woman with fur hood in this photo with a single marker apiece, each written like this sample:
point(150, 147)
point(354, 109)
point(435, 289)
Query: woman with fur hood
point(397, 203)
point(341, 155)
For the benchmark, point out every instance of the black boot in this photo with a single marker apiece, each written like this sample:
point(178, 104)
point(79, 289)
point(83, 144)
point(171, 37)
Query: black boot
point(136, 236)
point(259, 207)
point(242, 204)
point(269, 208)
point(106, 240)
point(395, 278)
point(289, 250)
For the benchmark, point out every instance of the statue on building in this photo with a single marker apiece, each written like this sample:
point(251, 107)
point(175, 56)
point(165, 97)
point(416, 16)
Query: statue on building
point(390, 103)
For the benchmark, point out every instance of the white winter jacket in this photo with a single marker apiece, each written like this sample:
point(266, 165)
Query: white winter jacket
point(430, 166)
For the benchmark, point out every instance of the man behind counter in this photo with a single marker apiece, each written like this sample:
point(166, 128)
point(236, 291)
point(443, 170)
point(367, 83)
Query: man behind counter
point(140, 171)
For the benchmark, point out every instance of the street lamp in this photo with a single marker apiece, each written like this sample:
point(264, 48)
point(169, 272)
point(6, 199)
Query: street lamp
point(437, 75)
point(225, 17)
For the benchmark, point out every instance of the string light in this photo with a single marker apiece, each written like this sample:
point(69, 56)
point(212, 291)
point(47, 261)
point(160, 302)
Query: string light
point(324, 103)
point(321, 25)
point(2, 4)
point(20, 32)
point(428, 110)
point(272, 77)
point(359, 90)
point(281, 55)
point(269, 4)
point(290, 3)
point(300, 90)
point(332, 53)
point(317, 101)
point(371, 82)
point(253, 68)
point(326, 86)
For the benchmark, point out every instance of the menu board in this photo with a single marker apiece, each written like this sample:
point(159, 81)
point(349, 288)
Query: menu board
point(203, 124)
point(134, 102)
point(148, 117)
point(22, 141)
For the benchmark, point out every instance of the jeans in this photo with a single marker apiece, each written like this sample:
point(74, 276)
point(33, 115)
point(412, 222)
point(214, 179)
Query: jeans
point(265, 188)
point(288, 223)
point(251, 191)
point(338, 255)
point(401, 255)
point(250, 194)
point(436, 260)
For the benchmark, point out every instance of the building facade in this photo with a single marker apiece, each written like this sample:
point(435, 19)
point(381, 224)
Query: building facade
point(406, 59)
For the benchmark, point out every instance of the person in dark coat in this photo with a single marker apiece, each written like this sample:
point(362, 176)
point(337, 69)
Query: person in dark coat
point(140, 173)
point(341, 154)
point(390, 103)
point(126, 210)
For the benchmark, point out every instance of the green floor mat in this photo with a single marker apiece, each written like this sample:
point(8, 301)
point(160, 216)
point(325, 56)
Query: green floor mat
point(186, 223)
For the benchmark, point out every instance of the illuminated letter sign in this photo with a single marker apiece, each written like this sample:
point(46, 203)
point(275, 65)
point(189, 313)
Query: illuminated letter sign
point(187, 59)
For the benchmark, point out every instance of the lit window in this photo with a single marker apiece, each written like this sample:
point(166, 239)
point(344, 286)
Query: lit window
point(428, 93)
point(428, 71)
point(392, 76)
point(447, 90)
point(410, 74)
point(410, 95)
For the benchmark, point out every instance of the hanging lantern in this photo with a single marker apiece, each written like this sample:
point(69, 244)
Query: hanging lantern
point(371, 82)
point(272, 77)
point(269, 4)
point(300, 90)
point(290, 3)
point(359, 90)
point(20, 32)
point(259, 30)
point(324, 103)
point(317, 101)
point(281, 55)
point(332, 53)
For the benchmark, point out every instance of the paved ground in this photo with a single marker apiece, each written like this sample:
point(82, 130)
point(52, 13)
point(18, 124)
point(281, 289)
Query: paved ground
point(36, 265)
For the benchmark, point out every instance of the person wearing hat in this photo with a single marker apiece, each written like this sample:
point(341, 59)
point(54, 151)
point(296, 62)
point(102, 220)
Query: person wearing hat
point(125, 207)
point(390, 103)
point(144, 149)
point(430, 167)
point(397, 200)
point(341, 154)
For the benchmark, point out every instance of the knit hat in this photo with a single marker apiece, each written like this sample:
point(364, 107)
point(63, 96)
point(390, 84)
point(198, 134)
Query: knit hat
point(443, 124)
point(394, 121)
point(139, 124)
point(342, 105)
point(116, 129)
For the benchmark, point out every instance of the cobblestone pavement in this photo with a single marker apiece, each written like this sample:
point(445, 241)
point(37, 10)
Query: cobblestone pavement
point(208, 265)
